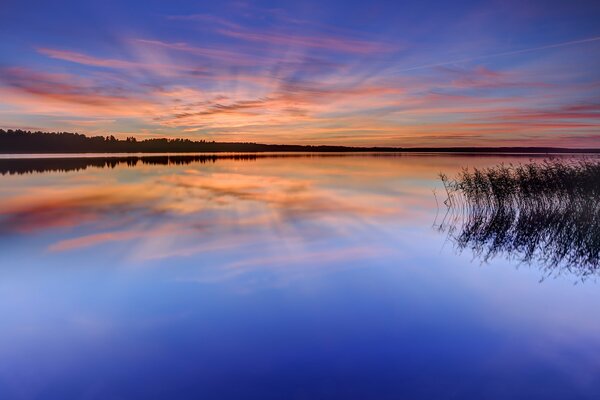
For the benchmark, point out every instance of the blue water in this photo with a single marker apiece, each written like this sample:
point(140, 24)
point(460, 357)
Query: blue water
point(274, 278)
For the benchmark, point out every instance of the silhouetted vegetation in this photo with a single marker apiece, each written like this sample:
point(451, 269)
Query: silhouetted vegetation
point(20, 142)
point(27, 142)
point(546, 212)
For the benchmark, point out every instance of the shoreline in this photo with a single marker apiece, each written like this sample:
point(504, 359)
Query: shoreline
point(461, 151)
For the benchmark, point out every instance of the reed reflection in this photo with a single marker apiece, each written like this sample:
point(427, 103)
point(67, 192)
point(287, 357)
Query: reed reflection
point(545, 213)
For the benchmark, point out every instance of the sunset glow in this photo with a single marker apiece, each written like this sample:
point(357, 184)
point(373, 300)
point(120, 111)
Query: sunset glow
point(499, 73)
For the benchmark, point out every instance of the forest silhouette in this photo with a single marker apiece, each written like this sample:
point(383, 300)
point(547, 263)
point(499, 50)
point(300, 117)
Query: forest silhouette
point(28, 142)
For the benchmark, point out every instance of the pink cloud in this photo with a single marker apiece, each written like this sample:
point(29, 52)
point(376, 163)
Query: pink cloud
point(84, 59)
point(110, 63)
point(44, 92)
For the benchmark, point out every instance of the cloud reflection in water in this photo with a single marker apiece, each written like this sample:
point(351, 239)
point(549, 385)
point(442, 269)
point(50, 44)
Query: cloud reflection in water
point(229, 213)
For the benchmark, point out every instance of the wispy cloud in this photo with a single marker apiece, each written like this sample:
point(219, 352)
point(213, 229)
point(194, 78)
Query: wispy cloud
point(205, 18)
point(84, 59)
point(110, 63)
point(500, 54)
point(336, 44)
point(45, 92)
point(94, 240)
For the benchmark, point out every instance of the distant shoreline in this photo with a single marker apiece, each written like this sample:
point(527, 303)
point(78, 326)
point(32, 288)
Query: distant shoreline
point(20, 142)
point(228, 154)
point(37, 163)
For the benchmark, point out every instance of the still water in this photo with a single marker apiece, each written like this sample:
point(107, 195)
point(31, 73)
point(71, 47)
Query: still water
point(245, 277)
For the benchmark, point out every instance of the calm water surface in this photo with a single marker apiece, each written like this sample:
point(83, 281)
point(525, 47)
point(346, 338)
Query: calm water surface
point(272, 278)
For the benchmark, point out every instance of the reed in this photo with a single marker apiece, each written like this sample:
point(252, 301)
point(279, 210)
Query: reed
point(544, 212)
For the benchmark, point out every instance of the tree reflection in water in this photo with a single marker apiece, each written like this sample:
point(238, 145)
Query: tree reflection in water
point(545, 213)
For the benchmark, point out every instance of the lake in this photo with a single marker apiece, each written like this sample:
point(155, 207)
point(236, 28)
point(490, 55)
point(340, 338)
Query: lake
point(296, 276)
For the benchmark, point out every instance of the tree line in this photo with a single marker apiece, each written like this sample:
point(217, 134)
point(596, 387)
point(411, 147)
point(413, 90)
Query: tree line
point(21, 141)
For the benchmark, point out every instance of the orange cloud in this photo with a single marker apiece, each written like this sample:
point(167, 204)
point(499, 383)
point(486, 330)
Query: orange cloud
point(263, 94)
point(94, 240)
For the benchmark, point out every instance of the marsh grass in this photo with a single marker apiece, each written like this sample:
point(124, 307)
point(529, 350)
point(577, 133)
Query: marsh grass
point(544, 212)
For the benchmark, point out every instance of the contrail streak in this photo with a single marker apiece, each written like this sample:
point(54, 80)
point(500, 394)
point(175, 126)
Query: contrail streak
point(506, 53)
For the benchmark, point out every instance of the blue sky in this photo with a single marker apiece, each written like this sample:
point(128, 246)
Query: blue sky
point(339, 72)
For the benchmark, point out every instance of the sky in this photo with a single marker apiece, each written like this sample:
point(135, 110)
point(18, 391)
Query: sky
point(377, 73)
